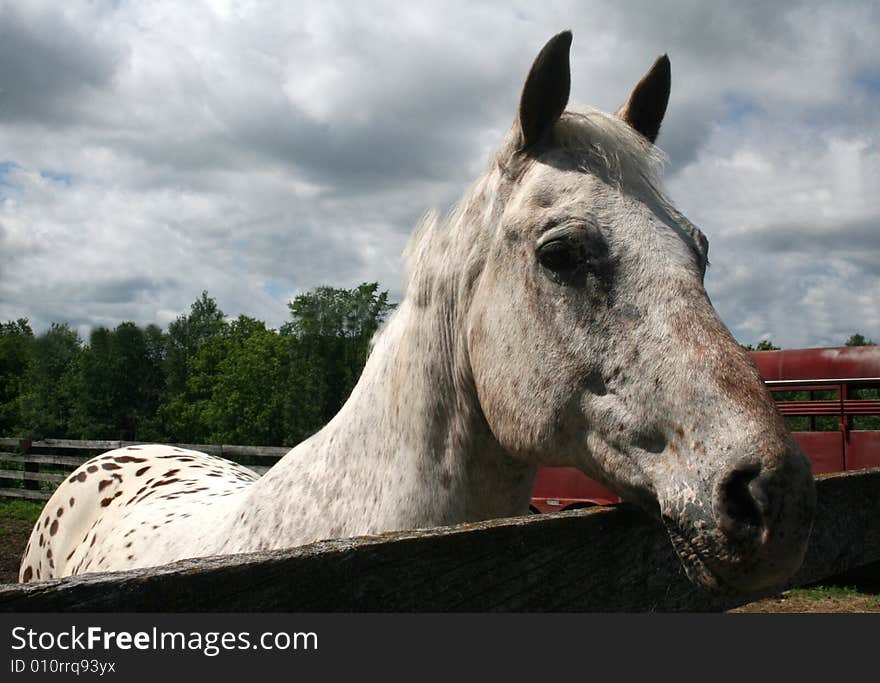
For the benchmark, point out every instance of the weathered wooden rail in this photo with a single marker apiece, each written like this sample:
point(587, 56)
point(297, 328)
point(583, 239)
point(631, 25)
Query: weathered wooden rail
point(597, 560)
point(35, 457)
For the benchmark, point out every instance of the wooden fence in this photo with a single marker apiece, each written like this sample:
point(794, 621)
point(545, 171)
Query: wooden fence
point(597, 560)
point(39, 466)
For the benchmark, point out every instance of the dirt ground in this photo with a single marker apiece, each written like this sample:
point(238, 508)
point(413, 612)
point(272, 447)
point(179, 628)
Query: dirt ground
point(810, 601)
point(14, 534)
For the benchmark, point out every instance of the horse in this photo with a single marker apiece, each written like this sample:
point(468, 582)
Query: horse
point(555, 316)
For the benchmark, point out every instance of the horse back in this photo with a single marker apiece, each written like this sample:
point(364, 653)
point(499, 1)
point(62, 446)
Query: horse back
point(132, 507)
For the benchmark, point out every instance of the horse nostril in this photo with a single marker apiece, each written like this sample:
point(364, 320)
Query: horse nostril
point(740, 502)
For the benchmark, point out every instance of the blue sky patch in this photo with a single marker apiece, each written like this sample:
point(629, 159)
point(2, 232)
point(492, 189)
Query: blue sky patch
point(58, 177)
point(868, 83)
point(737, 108)
point(5, 167)
point(276, 290)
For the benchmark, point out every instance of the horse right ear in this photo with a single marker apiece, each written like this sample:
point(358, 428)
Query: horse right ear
point(545, 92)
point(646, 106)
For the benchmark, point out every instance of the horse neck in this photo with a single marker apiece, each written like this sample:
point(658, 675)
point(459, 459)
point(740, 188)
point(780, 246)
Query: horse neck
point(411, 442)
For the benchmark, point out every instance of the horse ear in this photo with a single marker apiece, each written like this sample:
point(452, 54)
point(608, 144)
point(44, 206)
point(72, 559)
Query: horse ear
point(646, 106)
point(545, 92)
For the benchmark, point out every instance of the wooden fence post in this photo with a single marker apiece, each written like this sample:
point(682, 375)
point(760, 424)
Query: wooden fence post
point(29, 466)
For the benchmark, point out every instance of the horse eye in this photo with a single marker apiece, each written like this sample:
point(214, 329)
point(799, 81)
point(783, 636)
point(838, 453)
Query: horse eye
point(560, 256)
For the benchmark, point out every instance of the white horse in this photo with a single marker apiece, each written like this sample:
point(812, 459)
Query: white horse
point(556, 317)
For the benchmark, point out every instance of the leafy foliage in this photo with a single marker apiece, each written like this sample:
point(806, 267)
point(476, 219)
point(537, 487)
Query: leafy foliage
point(16, 338)
point(332, 329)
point(207, 379)
point(859, 340)
point(119, 383)
point(247, 399)
point(763, 345)
point(204, 322)
point(49, 383)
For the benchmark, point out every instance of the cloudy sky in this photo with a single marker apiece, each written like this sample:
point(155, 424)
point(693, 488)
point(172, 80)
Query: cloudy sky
point(151, 150)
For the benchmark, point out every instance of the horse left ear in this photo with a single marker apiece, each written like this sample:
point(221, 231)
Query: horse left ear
point(646, 106)
point(546, 90)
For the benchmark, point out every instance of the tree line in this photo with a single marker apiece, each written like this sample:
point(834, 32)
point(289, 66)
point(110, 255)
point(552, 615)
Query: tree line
point(856, 339)
point(206, 379)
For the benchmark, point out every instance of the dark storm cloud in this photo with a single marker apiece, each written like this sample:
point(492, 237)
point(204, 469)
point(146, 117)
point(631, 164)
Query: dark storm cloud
point(47, 62)
point(843, 238)
point(121, 290)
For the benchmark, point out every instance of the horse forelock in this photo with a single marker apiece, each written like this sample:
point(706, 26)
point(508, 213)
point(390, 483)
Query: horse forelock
point(608, 147)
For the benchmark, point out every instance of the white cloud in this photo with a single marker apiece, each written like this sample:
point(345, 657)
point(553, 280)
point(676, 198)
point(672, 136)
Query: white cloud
point(153, 150)
point(792, 213)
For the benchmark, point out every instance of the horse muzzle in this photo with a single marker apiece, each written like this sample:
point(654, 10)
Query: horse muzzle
point(754, 535)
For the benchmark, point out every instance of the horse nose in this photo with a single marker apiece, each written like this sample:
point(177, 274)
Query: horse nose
point(741, 502)
point(765, 513)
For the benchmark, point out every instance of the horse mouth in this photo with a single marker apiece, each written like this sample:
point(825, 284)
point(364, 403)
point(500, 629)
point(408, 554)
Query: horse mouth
point(754, 537)
point(721, 565)
point(691, 556)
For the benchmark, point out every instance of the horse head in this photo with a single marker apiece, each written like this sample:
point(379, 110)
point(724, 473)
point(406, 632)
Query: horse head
point(592, 342)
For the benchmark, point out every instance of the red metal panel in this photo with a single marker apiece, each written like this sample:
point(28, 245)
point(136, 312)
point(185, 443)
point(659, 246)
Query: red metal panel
point(804, 386)
point(807, 364)
point(825, 450)
point(863, 450)
point(559, 487)
point(808, 407)
point(861, 407)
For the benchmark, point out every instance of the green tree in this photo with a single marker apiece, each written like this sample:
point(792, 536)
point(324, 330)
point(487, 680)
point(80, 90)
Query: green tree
point(859, 340)
point(205, 321)
point(92, 416)
point(247, 396)
point(16, 338)
point(179, 416)
point(206, 380)
point(332, 329)
point(50, 383)
point(155, 363)
point(763, 345)
point(120, 379)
